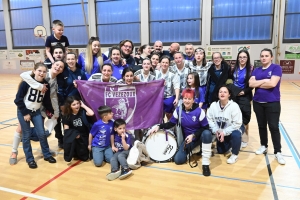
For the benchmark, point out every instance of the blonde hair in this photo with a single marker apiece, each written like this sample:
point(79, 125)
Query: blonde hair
point(89, 55)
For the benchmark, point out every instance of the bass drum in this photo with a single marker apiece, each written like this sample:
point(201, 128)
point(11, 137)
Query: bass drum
point(161, 145)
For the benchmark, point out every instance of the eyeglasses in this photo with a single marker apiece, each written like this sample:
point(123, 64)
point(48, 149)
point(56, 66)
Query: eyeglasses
point(128, 47)
point(243, 58)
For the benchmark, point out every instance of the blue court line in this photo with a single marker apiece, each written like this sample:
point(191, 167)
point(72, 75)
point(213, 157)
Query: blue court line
point(274, 191)
point(8, 120)
point(222, 177)
point(290, 144)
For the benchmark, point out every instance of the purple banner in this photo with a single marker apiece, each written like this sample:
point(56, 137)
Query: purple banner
point(139, 104)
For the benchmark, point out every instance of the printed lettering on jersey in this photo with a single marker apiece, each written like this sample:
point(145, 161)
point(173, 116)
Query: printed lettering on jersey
point(77, 122)
point(122, 100)
point(55, 43)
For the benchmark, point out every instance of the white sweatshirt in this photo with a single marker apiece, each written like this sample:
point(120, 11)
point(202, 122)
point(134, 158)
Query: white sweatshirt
point(38, 86)
point(229, 118)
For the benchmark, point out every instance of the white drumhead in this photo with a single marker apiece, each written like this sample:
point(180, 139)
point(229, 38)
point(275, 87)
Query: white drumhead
point(158, 148)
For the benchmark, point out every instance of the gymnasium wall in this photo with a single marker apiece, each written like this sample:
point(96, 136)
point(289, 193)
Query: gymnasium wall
point(10, 63)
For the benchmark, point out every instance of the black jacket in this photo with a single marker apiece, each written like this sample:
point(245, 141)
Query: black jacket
point(74, 147)
point(211, 76)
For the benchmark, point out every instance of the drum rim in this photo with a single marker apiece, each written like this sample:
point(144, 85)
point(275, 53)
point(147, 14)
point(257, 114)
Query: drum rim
point(172, 135)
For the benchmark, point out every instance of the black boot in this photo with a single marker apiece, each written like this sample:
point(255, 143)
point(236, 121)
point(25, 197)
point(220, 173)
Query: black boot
point(205, 170)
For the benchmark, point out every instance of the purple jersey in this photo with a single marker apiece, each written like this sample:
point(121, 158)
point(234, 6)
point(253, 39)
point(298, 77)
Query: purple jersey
point(118, 141)
point(117, 69)
point(101, 133)
point(267, 95)
point(239, 76)
point(190, 121)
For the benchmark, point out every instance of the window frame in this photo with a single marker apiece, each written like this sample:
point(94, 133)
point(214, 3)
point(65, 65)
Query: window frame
point(180, 43)
point(233, 42)
point(72, 46)
point(3, 47)
point(117, 44)
point(11, 30)
point(283, 37)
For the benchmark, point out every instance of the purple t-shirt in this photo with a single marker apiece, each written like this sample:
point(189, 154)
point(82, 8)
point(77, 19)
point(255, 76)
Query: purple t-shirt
point(191, 121)
point(117, 69)
point(267, 95)
point(118, 141)
point(101, 133)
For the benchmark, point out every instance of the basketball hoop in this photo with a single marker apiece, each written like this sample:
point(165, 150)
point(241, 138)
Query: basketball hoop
point(40, 32)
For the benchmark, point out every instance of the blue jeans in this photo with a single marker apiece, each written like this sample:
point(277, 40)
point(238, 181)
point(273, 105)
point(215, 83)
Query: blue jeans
point(99, 154)
point(233, 141)
point(119, 158)
point(180, 156)
point(38, 124)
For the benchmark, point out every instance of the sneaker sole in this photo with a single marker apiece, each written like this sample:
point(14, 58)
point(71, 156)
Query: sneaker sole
point(13, 161)
point(125, 175)
point(113, 176)
point(233, 162)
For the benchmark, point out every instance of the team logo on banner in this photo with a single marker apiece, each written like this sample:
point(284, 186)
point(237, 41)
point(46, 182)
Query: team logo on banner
point(122, 100)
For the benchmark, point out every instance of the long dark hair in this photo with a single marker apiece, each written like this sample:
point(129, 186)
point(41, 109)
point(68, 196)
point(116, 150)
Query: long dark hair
point(68, 110)
point(196, 83)
point(248, 65)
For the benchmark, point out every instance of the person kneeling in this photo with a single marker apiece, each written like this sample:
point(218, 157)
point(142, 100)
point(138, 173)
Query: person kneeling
point(226, 122)
point(195, 130)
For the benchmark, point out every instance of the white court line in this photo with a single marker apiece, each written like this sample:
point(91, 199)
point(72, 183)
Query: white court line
point(24, 194)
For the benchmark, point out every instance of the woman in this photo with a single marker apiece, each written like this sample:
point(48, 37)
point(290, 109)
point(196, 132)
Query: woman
point(241, 75)
point(145, 52)
point(154, 58)
point(91, 60)
point(266, 102)
point(201, 67)
point(217, 76)
point(172, 83)
point(195, 129)
point(105, 76)
point(116, 61)
point(225, 121)
point(127, 76)
point(144, 75)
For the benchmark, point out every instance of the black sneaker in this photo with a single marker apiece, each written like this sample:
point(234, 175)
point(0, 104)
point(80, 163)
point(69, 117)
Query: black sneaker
point(50, 159)
point(205, 170)
point(125, 173)
point(32, 164)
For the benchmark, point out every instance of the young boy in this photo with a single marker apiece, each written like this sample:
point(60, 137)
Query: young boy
point(58, 52)
point(55, 38)
point(121, 143)
point(99, 137)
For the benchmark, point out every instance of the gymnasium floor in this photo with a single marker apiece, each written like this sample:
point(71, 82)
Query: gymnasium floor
point(252, 177)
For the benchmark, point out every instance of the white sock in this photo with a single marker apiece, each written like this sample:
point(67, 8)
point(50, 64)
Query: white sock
point(16, 142)
point(206, 153)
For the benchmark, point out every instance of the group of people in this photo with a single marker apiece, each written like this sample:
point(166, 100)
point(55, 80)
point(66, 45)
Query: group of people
point(213, 100)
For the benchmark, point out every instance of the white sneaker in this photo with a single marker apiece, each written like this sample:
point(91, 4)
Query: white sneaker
point(279, 158)
point(261, 150)
point(244, 144)
point(233, 158)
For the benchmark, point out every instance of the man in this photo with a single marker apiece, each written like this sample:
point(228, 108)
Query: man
point(189, 52)
point(127, 47)
point(175, 47)
point(158, 48)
